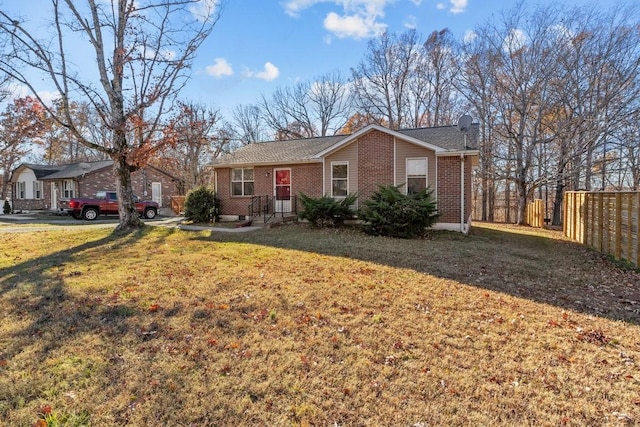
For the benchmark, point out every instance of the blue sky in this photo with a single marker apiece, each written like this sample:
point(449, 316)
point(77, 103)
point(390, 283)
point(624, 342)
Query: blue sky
point(259, 45)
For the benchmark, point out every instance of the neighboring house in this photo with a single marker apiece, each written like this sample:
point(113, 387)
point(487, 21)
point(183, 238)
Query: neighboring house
point(440, 158)
point(41, 187)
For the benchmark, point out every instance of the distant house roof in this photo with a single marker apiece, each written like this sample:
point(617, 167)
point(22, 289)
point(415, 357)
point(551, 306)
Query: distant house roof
point(41, 171)
point(75, 170)
point(440, 139)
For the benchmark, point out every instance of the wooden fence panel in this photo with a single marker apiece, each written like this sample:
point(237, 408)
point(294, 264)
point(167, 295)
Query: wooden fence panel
point(177, 204)
point(535, 213)
point(606, 221)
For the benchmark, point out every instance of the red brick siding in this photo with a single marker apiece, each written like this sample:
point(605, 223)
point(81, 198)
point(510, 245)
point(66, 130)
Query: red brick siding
point(467, 187)
point(32, 204)
point(449, 188)
point(375, 163)
point(305, 178)
point(105, 179)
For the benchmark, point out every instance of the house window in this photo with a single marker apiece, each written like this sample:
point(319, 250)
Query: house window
point(416, 175)
point(67, 189)
point(339, 179)
point(21, 190)
point(242, 182)
point(37, 190)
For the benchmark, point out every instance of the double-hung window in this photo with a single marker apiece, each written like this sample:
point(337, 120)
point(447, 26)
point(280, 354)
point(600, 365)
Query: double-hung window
point(67, 189)
point(339, 179)
point(37, 190)
point(416, 175)
point(21, 190)
point(242, 182)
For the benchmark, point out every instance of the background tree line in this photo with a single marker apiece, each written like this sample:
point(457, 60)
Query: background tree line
point(555, 90)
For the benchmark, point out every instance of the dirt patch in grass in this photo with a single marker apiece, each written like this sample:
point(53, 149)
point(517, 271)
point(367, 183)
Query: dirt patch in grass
point(291, 326)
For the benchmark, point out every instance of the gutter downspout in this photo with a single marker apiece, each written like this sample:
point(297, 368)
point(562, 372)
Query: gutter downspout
point(462, 229)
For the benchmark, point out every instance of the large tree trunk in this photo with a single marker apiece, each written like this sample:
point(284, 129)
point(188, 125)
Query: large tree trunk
point(557, 203)
point(522, 202)
point(129, 218)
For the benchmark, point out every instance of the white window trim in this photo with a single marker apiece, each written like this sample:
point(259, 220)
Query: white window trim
point(243, 182)
point(21, 190)
point(38, 188)
point(406, 171)
point(68, 192)
point(338, 163)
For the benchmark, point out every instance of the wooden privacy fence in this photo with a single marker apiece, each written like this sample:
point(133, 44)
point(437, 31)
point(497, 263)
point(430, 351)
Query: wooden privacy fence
point(177, 204)
point(606, 221)
point(535, 213)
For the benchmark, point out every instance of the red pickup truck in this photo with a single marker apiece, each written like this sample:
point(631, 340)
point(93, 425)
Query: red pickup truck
point(105, 203)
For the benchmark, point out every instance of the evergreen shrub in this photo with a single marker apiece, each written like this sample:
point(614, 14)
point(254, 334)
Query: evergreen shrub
point(326, 211)
point(202, 205)
point(389, 212)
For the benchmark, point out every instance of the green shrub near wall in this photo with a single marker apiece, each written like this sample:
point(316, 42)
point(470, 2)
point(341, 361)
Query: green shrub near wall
point(389, 212)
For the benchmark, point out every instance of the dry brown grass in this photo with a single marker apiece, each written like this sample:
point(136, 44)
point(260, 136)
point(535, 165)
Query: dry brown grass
point(290, 326)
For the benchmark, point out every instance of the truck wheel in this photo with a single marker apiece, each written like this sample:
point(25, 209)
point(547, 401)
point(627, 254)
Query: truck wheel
point(90, 214)
point(150, 213)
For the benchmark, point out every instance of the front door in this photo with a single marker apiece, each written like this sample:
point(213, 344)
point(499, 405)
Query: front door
point(282, 190)
point(156, 192)
point(54, 196)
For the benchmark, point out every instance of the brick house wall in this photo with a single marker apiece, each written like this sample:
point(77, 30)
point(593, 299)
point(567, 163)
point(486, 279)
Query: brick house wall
point(29, 202)
point(449, 188)
point(305, 178)
point(141, 180)
point(371, 160)
point(375, 163)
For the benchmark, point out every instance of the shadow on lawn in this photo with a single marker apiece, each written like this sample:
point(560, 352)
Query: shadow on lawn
point(544, 268)
point(38, 290)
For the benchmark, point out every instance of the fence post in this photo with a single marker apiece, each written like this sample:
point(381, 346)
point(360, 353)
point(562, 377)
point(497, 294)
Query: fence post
point(618, 241)
point(637, 216)
point(585, 219)
point(629, 251)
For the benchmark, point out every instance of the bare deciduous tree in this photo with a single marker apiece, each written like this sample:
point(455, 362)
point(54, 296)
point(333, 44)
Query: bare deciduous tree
point(248, 125)
point(318, 107)
point(381, 81)
point(143, 50)
point(194, 137)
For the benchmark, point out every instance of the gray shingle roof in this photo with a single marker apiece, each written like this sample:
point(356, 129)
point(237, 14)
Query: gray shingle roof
point(306, 150)
point(447, 137)
point(41, 171)
point(290, 151)
point(75, 170)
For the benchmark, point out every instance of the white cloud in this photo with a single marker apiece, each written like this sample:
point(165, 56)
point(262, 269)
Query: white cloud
point(220, 68)
point(417, 2)
point(516, 40)
point(357, 18)
point(17, 91)
point(204, 9)
point(293, 7)
point(469, 36)
point(270, 72)
point(354, 26)
point(410, 22)
point(457, 6)
point(150, 54)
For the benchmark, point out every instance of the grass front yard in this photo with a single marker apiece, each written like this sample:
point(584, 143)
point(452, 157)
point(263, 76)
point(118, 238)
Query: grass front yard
point(292, 326)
